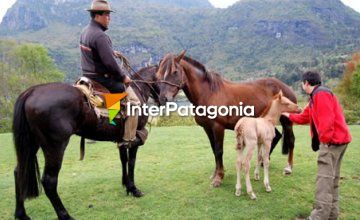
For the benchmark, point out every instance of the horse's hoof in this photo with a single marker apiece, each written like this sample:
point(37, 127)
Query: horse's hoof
point(65, 216)
point(135, 192)
point(252, 195)
point(238, 192)
point(216, 183)
point(287, 170)
point(257, 177)
point(23, 217)
point(268, 189)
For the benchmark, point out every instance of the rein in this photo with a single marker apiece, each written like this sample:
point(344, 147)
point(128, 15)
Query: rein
point(126, 64)
point(173, 84)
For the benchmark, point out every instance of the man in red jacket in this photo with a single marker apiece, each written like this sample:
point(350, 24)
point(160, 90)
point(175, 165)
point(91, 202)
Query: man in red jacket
point(329, 130)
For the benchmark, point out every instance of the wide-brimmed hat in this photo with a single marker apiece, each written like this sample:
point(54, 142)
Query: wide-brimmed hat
point(100, 5)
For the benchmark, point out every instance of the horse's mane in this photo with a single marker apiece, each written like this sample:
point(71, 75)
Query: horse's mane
point(141, 74)
point(214, 79)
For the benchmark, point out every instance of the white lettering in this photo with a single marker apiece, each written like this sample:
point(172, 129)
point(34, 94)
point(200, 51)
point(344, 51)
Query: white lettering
point(252, 111)
point(210, 111)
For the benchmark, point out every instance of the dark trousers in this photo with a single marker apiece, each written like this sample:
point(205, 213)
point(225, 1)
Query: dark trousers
point(111, 84)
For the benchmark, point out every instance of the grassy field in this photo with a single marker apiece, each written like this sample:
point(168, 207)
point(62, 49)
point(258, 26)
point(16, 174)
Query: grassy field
point(173, 170)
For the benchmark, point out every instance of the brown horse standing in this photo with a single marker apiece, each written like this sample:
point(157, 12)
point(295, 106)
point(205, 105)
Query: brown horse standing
point(46, 116)
point(209, 89)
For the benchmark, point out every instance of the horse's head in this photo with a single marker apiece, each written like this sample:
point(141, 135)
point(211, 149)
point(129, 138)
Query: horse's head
point(146, 81)
point(171, 77)
point(155, 91)
point(286, 105)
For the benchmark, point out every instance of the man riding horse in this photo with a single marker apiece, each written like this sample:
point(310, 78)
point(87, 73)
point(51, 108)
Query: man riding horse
point(98, 63)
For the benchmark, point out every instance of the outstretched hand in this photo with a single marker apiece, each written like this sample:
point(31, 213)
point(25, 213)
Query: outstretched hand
point(286, 114)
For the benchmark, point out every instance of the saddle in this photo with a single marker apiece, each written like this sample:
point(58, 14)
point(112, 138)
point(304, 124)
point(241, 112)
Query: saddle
point(94, 93)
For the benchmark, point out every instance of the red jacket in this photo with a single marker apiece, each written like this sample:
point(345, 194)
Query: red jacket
point(325, 113)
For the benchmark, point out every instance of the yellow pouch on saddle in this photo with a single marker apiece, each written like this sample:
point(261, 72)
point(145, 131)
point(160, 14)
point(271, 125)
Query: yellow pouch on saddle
point(88, 91)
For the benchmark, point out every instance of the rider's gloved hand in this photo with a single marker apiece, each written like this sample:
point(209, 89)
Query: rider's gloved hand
point(127, 80)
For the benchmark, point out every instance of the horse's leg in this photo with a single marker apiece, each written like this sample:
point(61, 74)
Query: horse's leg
point(266, 155)
point(276, 140)
point(251, 146)
point(218, 133)
point(53, 159)
point(239, 162)
point(131, 165)
point(210, 135)
point(258, 162)
point(20, 212)
point(288, 143)
point(123, 153)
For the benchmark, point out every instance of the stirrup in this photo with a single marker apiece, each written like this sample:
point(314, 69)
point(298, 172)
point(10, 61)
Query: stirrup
point(129, 144)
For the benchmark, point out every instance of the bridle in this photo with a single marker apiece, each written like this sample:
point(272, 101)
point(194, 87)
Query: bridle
point(142, 80)
point(179, 86)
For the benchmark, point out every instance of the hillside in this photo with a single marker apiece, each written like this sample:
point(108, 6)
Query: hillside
point(252, 38)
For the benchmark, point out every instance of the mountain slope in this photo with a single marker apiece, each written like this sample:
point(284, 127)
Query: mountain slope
point(249, 39)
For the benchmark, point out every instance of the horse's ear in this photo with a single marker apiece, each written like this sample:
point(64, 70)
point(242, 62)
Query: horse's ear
point(280, 94)
point(181, 55)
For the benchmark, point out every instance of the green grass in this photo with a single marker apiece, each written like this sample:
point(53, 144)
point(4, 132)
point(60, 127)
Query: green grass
point(173, 169)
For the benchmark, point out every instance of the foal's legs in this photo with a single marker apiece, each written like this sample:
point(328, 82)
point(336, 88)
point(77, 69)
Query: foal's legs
point(265, 155)
point(53, 160)
point(239, 161)
point(251, 147)
point(258, 163)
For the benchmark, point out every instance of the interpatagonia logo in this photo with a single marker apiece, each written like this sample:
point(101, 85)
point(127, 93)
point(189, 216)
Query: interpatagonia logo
point(113, 104)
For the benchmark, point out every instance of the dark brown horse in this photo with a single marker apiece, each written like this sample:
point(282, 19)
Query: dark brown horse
point(204, 88)
point(46, 116)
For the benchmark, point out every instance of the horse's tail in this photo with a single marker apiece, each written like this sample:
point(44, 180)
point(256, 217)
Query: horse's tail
point(27, 169)
point(287, 135)
point(82, 148)
point(288, 138)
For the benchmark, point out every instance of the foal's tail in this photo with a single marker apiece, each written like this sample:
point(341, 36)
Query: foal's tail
point(27, 169)
point(239, 136)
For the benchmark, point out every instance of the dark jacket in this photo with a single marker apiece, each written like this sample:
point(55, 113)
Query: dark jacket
point(97, 53)
point(326, 117)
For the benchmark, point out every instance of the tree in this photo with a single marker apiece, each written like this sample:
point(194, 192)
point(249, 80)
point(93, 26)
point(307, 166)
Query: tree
point(22, 66)
point(349, 89)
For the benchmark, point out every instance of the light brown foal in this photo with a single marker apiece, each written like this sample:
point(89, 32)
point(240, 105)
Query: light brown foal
point(251, 132)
